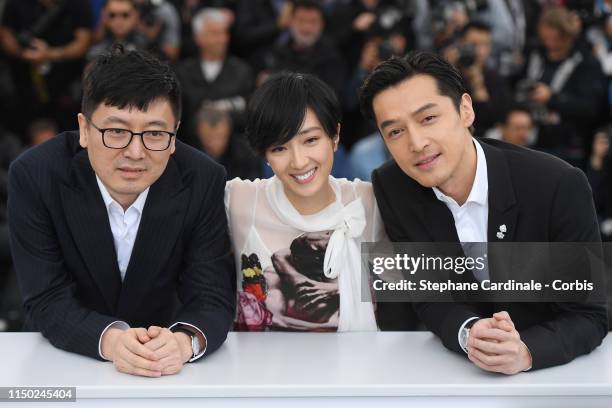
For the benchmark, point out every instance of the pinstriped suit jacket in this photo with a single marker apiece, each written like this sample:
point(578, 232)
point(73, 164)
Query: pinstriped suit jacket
point(64, 256)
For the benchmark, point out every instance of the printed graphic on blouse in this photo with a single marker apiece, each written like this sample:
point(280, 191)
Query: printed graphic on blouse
point(293, 294)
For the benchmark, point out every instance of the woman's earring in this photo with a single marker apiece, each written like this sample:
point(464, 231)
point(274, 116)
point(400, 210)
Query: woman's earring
point(268, 164)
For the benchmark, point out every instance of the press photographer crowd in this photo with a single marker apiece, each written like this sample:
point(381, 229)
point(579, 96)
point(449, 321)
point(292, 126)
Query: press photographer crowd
point(539, 74)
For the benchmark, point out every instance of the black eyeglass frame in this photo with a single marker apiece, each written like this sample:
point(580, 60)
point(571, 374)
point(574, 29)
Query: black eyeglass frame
point(132, 134)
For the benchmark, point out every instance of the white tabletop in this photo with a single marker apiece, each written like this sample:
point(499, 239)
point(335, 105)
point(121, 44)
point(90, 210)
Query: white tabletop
point(305, 365)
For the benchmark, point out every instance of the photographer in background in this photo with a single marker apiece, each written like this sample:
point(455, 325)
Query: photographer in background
point(120, 21)
point(260, 25)
point(599, 173)
point(517, 127)
point(307, 49)
point(46, 41)
point(439, 23)
point(490, 93)
point(381, 44)
point(161, 23)
point(11, 311)
point(351, 24)
point(213, 77)
point(188, 9)
point(446, 21)
point(215, 137)
point(565, 87)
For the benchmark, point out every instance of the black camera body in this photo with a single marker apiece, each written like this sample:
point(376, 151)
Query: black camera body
point(467, 56)
point(146, 9)
point(24, 39)
point(442, 10)
point(385, 50)
point(524, 88)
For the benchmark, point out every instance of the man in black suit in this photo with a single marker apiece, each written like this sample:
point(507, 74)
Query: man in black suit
point(118, 231)
point(445, 186)
point(214, 78)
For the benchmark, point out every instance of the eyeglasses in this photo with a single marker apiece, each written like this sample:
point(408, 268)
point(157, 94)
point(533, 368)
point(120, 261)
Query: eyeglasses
point(114, 138)
point(124, 15)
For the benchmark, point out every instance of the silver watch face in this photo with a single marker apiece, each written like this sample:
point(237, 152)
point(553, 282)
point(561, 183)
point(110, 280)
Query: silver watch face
point(195, 345)
point(463, 337)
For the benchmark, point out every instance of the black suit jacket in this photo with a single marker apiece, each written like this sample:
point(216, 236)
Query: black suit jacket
point(65, 259)
point(540, 199)
point(234, 80)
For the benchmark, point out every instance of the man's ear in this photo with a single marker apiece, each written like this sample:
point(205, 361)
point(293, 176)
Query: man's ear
point(83, 130)
point(173, 142)
point(467, 111)
point(173, 145)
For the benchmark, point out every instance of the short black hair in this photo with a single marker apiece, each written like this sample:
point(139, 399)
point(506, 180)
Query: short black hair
point(308, 5)
point(398, 69)
point(132, 2)
point(277, 109)
point(517, 107)
point(123, 78)
point(213, 116)
point(475, 25)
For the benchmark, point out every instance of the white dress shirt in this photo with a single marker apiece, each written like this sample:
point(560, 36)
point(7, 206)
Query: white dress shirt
point(124, 224)
point(471, 218)
point(211, 69)
point(124, 227)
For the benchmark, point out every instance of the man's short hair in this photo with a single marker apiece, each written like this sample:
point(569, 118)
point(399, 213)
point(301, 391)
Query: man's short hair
point(131, 2)
point(563, 20)
point(308, 5)
point(476, 25)
point(123, 79)
point(41, 125)
point(399, 69)
point(213, 116)
point(517, 107)
point(210, 14)
point(277, 109)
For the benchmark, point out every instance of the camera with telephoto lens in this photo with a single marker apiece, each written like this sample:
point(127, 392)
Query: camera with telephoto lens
point(442, 11)
point(392, 15)
point(385, 50)
point(467, 56)
point(524, 88)
point(24, 39)
point(147, 9)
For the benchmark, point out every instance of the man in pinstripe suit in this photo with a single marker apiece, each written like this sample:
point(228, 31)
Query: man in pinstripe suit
point(118, 231)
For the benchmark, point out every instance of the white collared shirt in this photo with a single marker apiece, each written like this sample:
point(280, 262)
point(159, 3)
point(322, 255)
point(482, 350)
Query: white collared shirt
point(124, 224)
point(211, 69)
point(471, 218)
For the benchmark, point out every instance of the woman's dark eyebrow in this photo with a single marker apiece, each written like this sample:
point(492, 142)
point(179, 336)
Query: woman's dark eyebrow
point(310, 129)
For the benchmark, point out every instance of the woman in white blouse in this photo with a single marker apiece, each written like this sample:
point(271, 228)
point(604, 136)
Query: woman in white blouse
point(297, 235)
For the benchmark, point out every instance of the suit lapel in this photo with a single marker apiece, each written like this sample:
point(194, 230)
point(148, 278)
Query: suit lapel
point(440, 225)
point(503, 211)
point(158, 232)
point(503, 214)
point(88, 221)
point(438, 219)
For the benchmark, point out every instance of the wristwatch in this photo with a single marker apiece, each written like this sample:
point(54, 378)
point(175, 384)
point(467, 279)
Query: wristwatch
point(464, 334)
point(195, 342)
